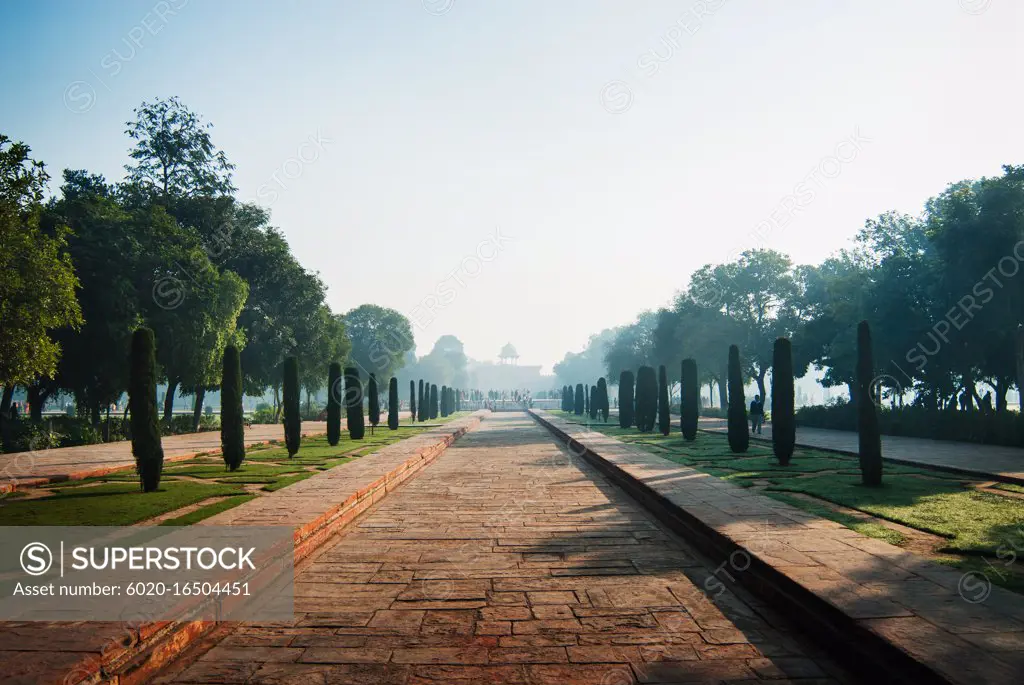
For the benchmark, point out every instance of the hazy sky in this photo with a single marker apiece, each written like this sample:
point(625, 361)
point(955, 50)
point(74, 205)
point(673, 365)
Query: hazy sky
point(540, 170)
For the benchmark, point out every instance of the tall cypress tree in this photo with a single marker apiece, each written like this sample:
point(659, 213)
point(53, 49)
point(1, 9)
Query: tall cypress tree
point(144, 425)
point(374, 393)
point(232, 421)
point(869, 437)
point(594, 403)
point(577, 406)
point(739, 438)
point(664, 419)
point(393, 403)
point(565, 398)
point(412, 400)
point(602, 393)
point(625, 399)
point(292, 417)
point(444, 400)
point(783, 400)
point(586, 400)
point(689, 398)
point(646, 399)
point(433, 401)
point(424, 410)
point(354, 404)
point(334, 393)
point(458, 400)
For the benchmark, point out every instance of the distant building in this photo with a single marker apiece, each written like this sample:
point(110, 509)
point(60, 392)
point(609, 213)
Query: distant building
point(508, 374)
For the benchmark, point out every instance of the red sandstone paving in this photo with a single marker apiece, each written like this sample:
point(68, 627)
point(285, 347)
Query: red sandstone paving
point(506, 561)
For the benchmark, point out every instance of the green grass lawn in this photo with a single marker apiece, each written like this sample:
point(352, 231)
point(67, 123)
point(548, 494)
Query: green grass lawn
point(115, 499)
point(972, 522)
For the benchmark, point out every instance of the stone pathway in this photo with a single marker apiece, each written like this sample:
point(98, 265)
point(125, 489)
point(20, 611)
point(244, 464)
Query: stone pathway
point(983, 460)
point(505, 561)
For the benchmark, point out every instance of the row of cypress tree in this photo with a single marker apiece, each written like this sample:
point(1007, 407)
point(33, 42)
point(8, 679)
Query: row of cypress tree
point(592, 401)
point(649, 401)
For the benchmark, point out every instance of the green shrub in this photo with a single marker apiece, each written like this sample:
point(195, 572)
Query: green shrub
point(646, 399)
point(739, 438)
point(354, 404)
point(290, 400)
point(868, 438)
point(232, 426)
point(334, 392)
point(689, 398)
point(146, 446)
point(625, 399)
point(783, 421)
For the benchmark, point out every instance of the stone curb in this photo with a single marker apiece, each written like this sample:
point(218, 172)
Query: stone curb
point(155, 644)
point(869, 646)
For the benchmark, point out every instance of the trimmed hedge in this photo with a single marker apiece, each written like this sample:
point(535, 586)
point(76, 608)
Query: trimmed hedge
point(334, 391)
point(146, 446)
point(292, 416)
point(689, 399)
point(232, 421)
point(868, 438)
point(739, 437)
point(783, 425)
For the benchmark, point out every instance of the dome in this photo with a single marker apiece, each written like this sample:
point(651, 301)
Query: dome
point(508, 351)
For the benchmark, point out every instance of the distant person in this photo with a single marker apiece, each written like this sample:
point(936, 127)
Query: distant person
point(986, 402)
point(756, 415)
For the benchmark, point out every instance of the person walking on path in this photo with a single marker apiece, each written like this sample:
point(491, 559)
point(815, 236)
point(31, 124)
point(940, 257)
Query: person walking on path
point(756, 415)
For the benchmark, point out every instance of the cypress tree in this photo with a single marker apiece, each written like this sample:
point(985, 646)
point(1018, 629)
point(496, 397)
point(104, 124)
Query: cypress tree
point(458, 400)
point(444, 400)
point(292, 417)
point(689, 399)
point(664, 419)
point(869, 438)
point(739, 438)
point(646, 399)
point(565, 398)
point(783, 410)
point(334, 393)
point(433, 401)
point(594, 403)
point(412, 400)
point(625, 399)
point(354, 404)
point(424, 411)
point(393, 403)
point(232, 422)
point(586, 400)
point(577, 406)
point(146, 446)
point(602, 392)
point(374, 398)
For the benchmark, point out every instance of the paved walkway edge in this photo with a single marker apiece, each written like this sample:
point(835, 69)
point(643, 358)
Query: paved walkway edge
point(158, 643)
point(849, 640)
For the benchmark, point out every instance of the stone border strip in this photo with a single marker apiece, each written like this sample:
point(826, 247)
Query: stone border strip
point(311, 506)
point(876, 608)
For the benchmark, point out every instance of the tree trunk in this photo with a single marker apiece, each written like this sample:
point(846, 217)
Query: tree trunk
point(94, 412)
point(36, 398)
point(5, 400)
point(197, 409)
point(277, 403)
point(1002, 387)
point(1019, 356)
point(172, 385)
point(760, 382)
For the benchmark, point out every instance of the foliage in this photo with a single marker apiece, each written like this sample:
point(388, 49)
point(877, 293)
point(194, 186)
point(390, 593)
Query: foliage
point(783, 422)
point(232, 428)
point(689, 398)
point(739, 439)
point(664, 419)
point(577, 367)
point(646, 399)
point(380, 338)
point(869, 439)
point(625, 399)
point(354, 404)
point(292, 419)
point(146, 447)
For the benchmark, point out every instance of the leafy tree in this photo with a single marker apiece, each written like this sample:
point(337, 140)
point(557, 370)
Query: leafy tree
point(334, 393)
point(146, 447)
point(412, 400)
point(579, 367)
point(374, 393)
point(625, 399)
point(37, 279)
point(174, 155)
point(664, 419)
point(602, 392)
point(232, 419)
point(292, 416)
point(870, 441)
point(633, 345)
point(739, 439)
point(380, 339)
point(783, 409)
point(446, 362)
point(646, 399)
point(578, 402)
point(354, 403)
point(689, 398)
point(393, 403)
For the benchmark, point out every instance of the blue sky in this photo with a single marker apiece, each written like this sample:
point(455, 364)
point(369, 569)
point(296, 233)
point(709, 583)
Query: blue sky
point(614, 147)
